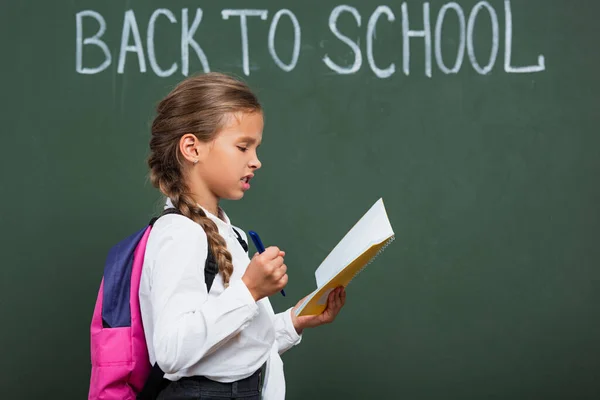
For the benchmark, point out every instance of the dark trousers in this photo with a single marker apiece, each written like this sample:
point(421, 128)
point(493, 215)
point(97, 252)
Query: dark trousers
point(201, 388)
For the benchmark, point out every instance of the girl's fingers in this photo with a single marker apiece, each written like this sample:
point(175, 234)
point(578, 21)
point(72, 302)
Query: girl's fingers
point(336, 298)
point(332, 297)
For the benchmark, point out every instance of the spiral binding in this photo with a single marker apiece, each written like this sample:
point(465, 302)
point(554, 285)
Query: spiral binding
point(387, 243)
point(309, 298)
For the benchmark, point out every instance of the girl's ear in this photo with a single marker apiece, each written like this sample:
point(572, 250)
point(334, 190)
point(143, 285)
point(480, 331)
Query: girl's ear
point(191, 148)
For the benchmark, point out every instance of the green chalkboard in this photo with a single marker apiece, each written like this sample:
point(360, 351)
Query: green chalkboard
point(477, 122)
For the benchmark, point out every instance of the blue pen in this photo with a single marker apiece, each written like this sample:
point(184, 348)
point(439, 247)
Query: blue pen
point(259, 247)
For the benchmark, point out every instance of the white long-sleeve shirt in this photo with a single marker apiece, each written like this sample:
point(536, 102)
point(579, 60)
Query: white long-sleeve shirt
point(223, 335)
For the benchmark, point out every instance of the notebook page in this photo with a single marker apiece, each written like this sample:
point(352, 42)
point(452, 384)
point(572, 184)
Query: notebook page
point(372, 228)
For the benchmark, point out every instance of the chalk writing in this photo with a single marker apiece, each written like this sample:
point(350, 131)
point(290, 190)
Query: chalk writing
point(416, 23)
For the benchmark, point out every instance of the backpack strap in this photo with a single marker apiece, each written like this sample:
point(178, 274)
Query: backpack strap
point(242, 242)
point(156, 382)
point(211, 268)
point(166, 211)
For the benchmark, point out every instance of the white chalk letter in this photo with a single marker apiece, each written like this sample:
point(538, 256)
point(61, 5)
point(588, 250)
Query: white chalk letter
point(407, 34)
point(381, 73)
point(333, 27)
point(471, 47)
point(541, 66)
point(244, 27)
point(297, 40)
point(150, 37)
point(90, 40)
point(187, 40)
point(438, 38)
point(130, 24)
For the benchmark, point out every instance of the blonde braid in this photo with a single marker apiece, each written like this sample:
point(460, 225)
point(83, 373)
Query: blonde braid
point(217, 243)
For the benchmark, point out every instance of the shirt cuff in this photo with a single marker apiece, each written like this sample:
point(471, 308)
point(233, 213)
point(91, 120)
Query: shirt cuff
point(290, 330)
point(241, 291)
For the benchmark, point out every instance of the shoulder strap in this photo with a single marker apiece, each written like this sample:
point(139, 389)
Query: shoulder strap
point(166, 211)
point(154, 384)
point(242, 242)
point(210, 265)
point(211, 268)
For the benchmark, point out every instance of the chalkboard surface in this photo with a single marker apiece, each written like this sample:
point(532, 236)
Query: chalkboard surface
point(476, 122)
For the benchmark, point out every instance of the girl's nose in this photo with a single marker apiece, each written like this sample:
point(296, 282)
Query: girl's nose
point(255, 163)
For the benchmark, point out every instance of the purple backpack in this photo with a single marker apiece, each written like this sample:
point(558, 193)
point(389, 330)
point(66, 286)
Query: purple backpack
point(121, 369)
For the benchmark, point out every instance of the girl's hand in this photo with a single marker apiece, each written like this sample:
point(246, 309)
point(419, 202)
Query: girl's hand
point(266, 273)
point(335, 302)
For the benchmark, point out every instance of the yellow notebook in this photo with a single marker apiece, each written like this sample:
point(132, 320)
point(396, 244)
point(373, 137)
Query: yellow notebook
point(357, 249)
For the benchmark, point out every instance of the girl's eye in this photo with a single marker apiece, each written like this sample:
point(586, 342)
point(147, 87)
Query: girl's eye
point(242, 149)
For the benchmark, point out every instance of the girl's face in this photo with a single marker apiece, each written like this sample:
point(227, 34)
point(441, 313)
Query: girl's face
point(227, 163)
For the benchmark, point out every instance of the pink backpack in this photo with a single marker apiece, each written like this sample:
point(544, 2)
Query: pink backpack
point(121, 369)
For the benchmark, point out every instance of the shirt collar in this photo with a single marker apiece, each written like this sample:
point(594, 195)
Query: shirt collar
point(223, 221)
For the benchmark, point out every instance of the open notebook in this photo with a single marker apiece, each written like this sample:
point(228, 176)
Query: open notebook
point(367, 238)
